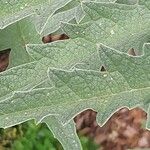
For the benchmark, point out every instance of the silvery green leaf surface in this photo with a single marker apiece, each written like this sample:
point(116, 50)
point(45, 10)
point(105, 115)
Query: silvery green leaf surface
point(54, 22)
point(104, 25)
point(128, 2)
point(15, 37)
point(130, 32)
point(24, 30)
point(77, 90)
point(45, 12)
point(148, 118)
point(53, 90)
point(66, 134)
point(72, 10)
point(145, 2)
point(12, 10)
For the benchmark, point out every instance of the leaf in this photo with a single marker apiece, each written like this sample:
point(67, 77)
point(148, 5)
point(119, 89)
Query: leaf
point(66, 134)
point(72, 10)
point(130, 32)
point(77, 90)
point(12, 11)
point(15, 37)
point(148, 118)
point(54, 22)
point(45, 12)
point(40, 102)
point(73, 53)
point(135, 70)
point(31, 75)
point(25, 94)
point(145, 2)
point(128, 2)
point(68, 50)
point(104, 25)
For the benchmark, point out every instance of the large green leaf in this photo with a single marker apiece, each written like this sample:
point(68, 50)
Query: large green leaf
point(129, 2)
point(24, 31)
point(145, 2)
point(72, 10)
point(42, 11)
point(66, 134)
point(123, 32)
point(33, 74)
point(104, 25)
point(77, 90)
point(57, 94)
point(12, 10)
point(148, 117)
point(46, 11)
point(15, 37)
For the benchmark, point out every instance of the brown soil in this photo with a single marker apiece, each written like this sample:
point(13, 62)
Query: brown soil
point(122, 131)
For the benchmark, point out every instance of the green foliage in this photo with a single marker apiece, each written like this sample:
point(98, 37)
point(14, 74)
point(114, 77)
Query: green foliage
point(36, 137)
point(16, 36)
point(88, 144)
point(54, 82)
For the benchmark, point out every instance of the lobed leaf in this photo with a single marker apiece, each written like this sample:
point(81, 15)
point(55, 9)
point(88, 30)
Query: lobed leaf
point(66, 134)
point(15, 37)
point(72, 10)
point(12, 11)
point(104, 24)
point(32, 91)
point(77, 90)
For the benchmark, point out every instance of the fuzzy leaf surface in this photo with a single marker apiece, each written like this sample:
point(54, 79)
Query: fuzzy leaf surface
point(126, 81)
point(72, 10)
point(115, 25)
point(12, 11)
point(77, 90)
point(15, 37)
point(66, 134)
